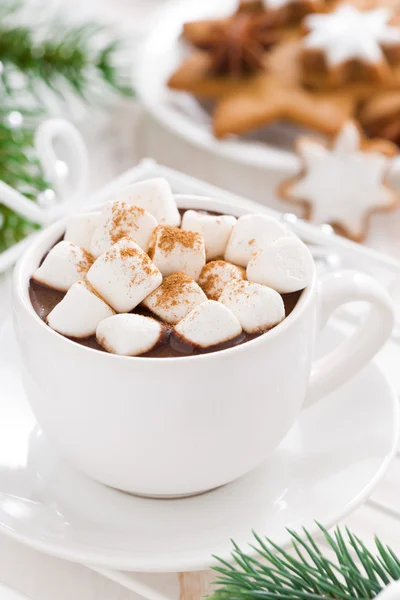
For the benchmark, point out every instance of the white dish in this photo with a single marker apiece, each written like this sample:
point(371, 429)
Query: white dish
point(161, 53)
point(327, 466)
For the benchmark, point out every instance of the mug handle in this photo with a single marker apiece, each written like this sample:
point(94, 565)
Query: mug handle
point(77, 163)
point(70, 176)
point(339, 365)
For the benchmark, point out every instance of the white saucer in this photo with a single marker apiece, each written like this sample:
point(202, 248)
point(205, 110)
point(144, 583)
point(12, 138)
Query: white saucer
point(161, 53)
point(327, 465)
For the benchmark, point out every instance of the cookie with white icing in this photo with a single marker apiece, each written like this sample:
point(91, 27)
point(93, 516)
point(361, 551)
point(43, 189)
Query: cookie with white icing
point(348, 45)
point(271, 21)
point(344, 183)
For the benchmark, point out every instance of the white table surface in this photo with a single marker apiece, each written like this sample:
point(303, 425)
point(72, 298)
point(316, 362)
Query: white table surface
point(117, 141)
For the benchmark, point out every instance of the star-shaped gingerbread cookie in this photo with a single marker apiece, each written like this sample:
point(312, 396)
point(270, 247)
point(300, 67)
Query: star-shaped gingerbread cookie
point(349, 45)
point(251, 100)
point(342, 184)
point(272, 19)
point(380, 116)
point(205, 34)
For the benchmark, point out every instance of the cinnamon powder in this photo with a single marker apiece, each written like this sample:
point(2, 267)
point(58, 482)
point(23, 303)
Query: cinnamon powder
point(127, 252)
point(85, 261)
point(172, 290)
point(123, 220)
point(167, 238)
point(213, 277)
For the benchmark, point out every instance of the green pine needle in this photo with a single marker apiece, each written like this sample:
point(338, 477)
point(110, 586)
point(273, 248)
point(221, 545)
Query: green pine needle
point(64, 59)
point(20, 169)
point(50, 59)
point(304, 573)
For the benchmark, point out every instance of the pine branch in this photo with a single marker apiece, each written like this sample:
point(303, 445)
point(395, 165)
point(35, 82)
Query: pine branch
point(49, 59)
point(19, 168)
point(305, 573)
point(62, 59)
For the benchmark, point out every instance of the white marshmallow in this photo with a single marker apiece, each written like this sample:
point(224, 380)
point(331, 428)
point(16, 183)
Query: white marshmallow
point(124, 275)
point(129, 334)
point(286, 265)
point(79, 312)
point(216, 275)
point(173, 250)
point(64, 265)
point(80, 228)
point(175, 298)
point(251, 233)
point(155, 196)
point(118, 220)
point(208, 324)
point(215, 230)
point(256, 307)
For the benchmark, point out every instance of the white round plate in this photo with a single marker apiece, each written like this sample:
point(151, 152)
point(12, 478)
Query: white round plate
point(327, 465)
point(161, 53)
point(7, 593)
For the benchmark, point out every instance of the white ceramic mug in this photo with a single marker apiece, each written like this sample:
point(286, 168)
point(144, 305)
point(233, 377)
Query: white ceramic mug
point(177, 426)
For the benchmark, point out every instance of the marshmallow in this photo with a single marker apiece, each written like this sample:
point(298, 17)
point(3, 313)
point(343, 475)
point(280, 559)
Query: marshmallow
point(175, 298)
point(286, 265)
point(64, 265)
point(79, 312)
point(256, 307)
point(155, 196)
point(173, 250)
point(80, 228)
point(216, 275)
point(251, 233)
point(129, 334)
point(215, 230)
point(118, 220)
point(208, 324)
point(124, 275)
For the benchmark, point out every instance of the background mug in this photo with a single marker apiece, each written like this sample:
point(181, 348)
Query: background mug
point(180, 426)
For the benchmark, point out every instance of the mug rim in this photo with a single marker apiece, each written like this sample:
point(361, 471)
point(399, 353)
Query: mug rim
point(23, 271)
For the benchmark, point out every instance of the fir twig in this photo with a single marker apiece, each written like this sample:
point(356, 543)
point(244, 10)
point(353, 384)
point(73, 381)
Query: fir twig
point(305, 573)
point(20, 169)
point(67, 61)
point(64, 59)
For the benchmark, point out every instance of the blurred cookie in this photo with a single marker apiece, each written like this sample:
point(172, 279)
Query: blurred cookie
point(195, 76)
point(253, 23)
point(343, 183)
point(248, 102)
point(267, 99)
point(349, 45)
point(273, 19)
point(292, 12)
point(380, 116)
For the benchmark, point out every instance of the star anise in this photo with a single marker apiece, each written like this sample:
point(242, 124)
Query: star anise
point(237, 47)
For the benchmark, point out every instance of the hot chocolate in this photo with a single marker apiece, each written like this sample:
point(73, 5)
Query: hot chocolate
point(44, 299)
point(130, 281)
